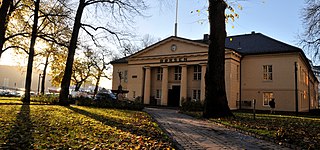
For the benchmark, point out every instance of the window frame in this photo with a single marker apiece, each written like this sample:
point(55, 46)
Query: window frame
point(196, 95)
point(158, 94)
point(177, 73)
point(197, 72)
point(267, 73)
point(159, 73)
point(125, 76)
point(267, 97)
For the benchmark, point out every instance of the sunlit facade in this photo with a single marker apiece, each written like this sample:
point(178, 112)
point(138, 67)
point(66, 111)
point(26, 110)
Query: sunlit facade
point(13, 77)
point(257, 67)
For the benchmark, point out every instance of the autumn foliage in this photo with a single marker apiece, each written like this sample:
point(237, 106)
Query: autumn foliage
point(301, 131)
point(76, 127)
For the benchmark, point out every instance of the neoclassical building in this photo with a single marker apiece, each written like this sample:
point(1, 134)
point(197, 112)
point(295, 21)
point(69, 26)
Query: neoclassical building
point(256, 67)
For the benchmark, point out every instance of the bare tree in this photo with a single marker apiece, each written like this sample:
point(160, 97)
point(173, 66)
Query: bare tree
point(100, 63)
point(82, 70)
point(311, 17)
point(148, 40)
point(130, 47)
point(121, 10)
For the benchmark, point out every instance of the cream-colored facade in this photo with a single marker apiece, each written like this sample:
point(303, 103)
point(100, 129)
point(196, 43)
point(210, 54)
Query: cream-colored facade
point(13, 77)
point(173, 70)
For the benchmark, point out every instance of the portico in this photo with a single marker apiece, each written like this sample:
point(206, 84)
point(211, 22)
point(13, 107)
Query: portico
point(165, 82)
point(170, 72)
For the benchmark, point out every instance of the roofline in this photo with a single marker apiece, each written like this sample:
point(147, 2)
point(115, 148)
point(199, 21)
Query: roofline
point(299, 50)
point(115, 61)
point(266, 37)
point(170, 37)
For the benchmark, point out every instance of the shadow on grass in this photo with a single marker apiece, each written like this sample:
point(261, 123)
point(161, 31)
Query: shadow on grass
point(20, 136)
point(114, 123)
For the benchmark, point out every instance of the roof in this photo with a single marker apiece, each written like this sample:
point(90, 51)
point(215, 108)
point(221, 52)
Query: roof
point(125, 59)
point(257, 43)
point(245, 44)
point(120, 60)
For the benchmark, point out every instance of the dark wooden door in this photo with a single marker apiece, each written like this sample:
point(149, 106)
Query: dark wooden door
point(174, 96)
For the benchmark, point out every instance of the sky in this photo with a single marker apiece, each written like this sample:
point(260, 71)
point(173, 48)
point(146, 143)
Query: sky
point(278, 19)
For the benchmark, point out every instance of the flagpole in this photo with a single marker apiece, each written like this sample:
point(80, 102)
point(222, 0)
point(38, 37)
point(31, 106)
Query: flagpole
point(176, 23)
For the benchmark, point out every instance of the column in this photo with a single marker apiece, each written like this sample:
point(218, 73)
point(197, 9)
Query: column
point(203, 82)
point(164, 86)
point(147, 86)
point(184, 83)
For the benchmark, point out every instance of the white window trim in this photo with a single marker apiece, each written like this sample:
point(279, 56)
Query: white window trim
point(267, 73)
point(267, 105)
point(159, 74)
point(178, 74)
point(197, 72)
point(158, 95)
point(198, 94)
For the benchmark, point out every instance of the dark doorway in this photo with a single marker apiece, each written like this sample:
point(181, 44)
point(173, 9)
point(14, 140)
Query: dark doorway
point(174, 96)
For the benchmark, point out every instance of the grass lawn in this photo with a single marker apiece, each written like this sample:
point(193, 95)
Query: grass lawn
point(302, 131)
point(75, 127)
point(15, 100)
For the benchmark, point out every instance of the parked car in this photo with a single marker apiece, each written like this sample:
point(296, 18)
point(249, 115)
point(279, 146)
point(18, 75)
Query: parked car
point(105, 96)
point(10, 93)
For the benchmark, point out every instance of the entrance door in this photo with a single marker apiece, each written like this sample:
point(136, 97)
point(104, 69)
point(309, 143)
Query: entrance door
point(174, 96)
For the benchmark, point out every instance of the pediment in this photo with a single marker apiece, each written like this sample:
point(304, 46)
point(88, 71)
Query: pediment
point(170, 47)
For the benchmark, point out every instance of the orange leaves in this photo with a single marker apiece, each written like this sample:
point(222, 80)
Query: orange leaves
point(56, 127)
point(300, 131)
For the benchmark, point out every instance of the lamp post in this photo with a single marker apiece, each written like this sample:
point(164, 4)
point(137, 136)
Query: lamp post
point(39, 84)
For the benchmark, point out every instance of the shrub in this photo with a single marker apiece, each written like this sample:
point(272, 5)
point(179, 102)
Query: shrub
point(120, 104)
point(191, 105)
point(46, 99)
point(83, 101)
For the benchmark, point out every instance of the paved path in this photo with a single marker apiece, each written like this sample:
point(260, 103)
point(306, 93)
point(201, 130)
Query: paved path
point(195, 134)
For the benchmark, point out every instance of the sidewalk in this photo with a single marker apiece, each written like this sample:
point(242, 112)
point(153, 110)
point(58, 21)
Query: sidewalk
point(195, 134)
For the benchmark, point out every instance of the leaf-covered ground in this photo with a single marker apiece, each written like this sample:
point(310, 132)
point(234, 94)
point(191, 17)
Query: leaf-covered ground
point(300, 131)
point(75, 127)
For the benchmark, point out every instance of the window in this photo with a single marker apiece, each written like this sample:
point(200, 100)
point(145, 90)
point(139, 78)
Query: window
point(197, 72)
point(125, 76)
point(267, 72)
point(134, 94)
point(6, 82)
point(196, 95)
point(158, 94)
point(159, 73)
point(177, 73)
point(305, 78)
point(267, 96)
point(238, 73)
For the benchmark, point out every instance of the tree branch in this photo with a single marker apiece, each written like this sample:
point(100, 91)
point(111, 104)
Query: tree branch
point(18, 47)
point(103, 28)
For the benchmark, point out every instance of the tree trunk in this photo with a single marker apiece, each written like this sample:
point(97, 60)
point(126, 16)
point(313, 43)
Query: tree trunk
point(65, 84)
point(96, 88)
point(216, 103)
point(31, 53)
point(43, 81)
point(4, 15)
point(78, 85)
